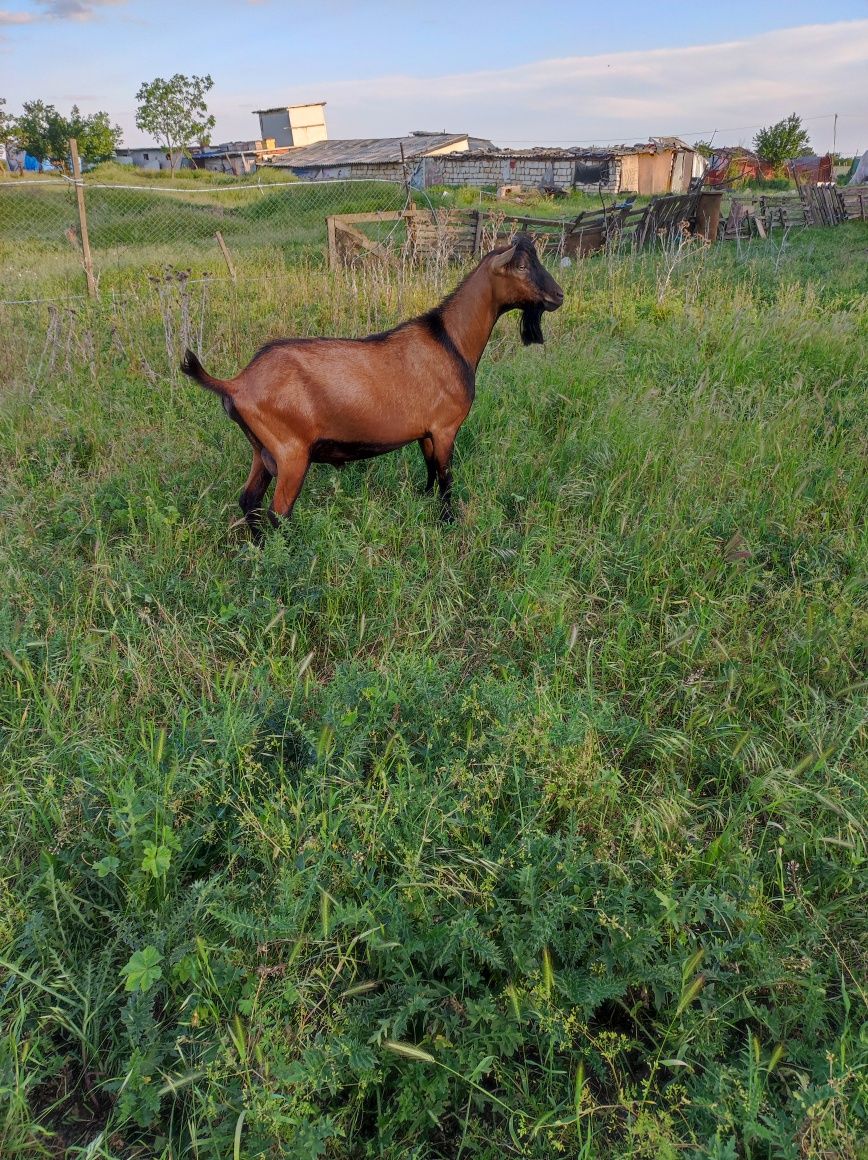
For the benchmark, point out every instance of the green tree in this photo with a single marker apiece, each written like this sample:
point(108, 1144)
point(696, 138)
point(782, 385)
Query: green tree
point(703, 148)
point(174, 112)
point(37, 130)
point(782, 141)
point(97, 138)
point(45, 134)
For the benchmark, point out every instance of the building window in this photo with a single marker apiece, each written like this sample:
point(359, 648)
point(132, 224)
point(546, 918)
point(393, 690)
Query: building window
point(146, 157)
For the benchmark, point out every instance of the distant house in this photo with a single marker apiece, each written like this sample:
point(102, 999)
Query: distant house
point(282, 128)
point(148, 157)
point(238, 157)
point(384, 158)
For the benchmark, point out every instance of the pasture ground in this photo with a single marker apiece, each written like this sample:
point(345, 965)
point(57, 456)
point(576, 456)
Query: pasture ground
point(542, 834)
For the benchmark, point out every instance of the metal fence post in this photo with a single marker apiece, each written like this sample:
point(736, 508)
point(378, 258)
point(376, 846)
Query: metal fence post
point(82, 218)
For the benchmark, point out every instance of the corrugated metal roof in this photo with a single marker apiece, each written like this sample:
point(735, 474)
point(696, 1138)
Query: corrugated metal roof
point(366, 150)
point(592, 152)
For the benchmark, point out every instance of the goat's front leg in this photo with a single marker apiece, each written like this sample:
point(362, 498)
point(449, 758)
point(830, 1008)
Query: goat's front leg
point(443, 448)
point(426, 443)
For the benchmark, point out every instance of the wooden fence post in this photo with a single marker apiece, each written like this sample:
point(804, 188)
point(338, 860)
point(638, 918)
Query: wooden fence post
point(224, 249)
point(82, 218)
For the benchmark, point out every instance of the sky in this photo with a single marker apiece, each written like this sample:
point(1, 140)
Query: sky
point(522, 74)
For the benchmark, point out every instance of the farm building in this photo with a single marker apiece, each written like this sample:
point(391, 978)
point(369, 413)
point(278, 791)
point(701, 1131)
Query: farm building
point(238, 157)
point(662, 165)
point(729, 164)
point(376, 157)
point(292, 126)
point(812, 168)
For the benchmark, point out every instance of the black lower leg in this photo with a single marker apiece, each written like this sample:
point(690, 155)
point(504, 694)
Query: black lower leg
point(444, 479)
point(250, 501)
point(430, 462)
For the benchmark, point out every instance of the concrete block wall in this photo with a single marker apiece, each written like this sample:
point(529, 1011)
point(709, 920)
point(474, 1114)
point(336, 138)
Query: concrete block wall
point(503, 169)
point(496, 169)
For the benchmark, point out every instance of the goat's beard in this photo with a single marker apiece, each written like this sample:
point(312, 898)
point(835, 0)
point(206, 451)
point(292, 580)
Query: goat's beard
point(530, 327)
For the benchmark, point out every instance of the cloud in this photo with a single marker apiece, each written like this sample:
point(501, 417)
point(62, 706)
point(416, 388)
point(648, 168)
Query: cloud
point(56, 10)
point(733, 87)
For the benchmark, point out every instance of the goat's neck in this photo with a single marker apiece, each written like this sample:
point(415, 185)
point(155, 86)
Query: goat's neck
point(469, 316)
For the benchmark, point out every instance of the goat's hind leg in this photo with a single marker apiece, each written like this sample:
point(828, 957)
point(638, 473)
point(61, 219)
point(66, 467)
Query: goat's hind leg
point(292, 465)
point(254, 491)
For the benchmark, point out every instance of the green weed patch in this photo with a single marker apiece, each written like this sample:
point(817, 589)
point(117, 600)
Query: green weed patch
point(543, 834)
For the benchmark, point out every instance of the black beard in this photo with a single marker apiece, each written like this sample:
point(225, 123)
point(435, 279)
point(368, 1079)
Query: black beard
point(530, 327)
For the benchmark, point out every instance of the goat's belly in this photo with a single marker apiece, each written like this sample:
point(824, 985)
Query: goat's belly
point(338, 452)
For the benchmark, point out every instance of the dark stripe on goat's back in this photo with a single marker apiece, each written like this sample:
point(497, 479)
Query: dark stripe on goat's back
point(434, 324)
point(276, 343)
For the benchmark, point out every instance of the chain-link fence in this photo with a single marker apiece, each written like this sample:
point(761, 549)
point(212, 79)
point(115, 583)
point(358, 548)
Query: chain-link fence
point(138, 228)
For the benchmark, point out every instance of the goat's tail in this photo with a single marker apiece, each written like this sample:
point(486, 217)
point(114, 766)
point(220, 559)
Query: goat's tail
point(191, 366)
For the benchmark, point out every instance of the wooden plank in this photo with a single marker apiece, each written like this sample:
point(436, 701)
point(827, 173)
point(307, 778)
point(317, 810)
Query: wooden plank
point(478, 233)
point(386, 215)
point(361, 241)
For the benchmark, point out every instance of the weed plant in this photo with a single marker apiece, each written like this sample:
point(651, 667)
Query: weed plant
point(543, 834)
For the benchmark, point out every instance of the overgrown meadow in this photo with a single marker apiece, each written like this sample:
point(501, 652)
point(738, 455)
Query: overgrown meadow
point(541, 834)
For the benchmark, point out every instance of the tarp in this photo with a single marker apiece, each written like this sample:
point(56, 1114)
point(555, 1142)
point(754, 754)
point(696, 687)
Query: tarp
point(861, 173)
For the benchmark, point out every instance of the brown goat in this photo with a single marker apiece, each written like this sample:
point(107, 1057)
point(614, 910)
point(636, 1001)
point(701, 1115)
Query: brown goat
point(332, 400)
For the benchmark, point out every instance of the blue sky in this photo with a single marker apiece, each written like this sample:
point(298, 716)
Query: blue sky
point(516, 72)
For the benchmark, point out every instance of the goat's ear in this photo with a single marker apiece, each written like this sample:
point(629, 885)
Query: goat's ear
point(501, 261)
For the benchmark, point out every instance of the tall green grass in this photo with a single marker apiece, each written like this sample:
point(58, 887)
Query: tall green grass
point(543, 834)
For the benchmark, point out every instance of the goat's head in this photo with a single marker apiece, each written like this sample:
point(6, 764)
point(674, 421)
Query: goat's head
point(523, 283)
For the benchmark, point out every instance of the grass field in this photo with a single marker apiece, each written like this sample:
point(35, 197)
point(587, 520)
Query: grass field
point(142, 220)
point(137, 228)
point(541, 834)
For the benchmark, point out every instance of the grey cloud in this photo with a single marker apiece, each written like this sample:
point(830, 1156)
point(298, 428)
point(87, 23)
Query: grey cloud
point(57, 10)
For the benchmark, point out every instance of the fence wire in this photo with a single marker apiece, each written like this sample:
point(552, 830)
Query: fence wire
point(135, 229)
